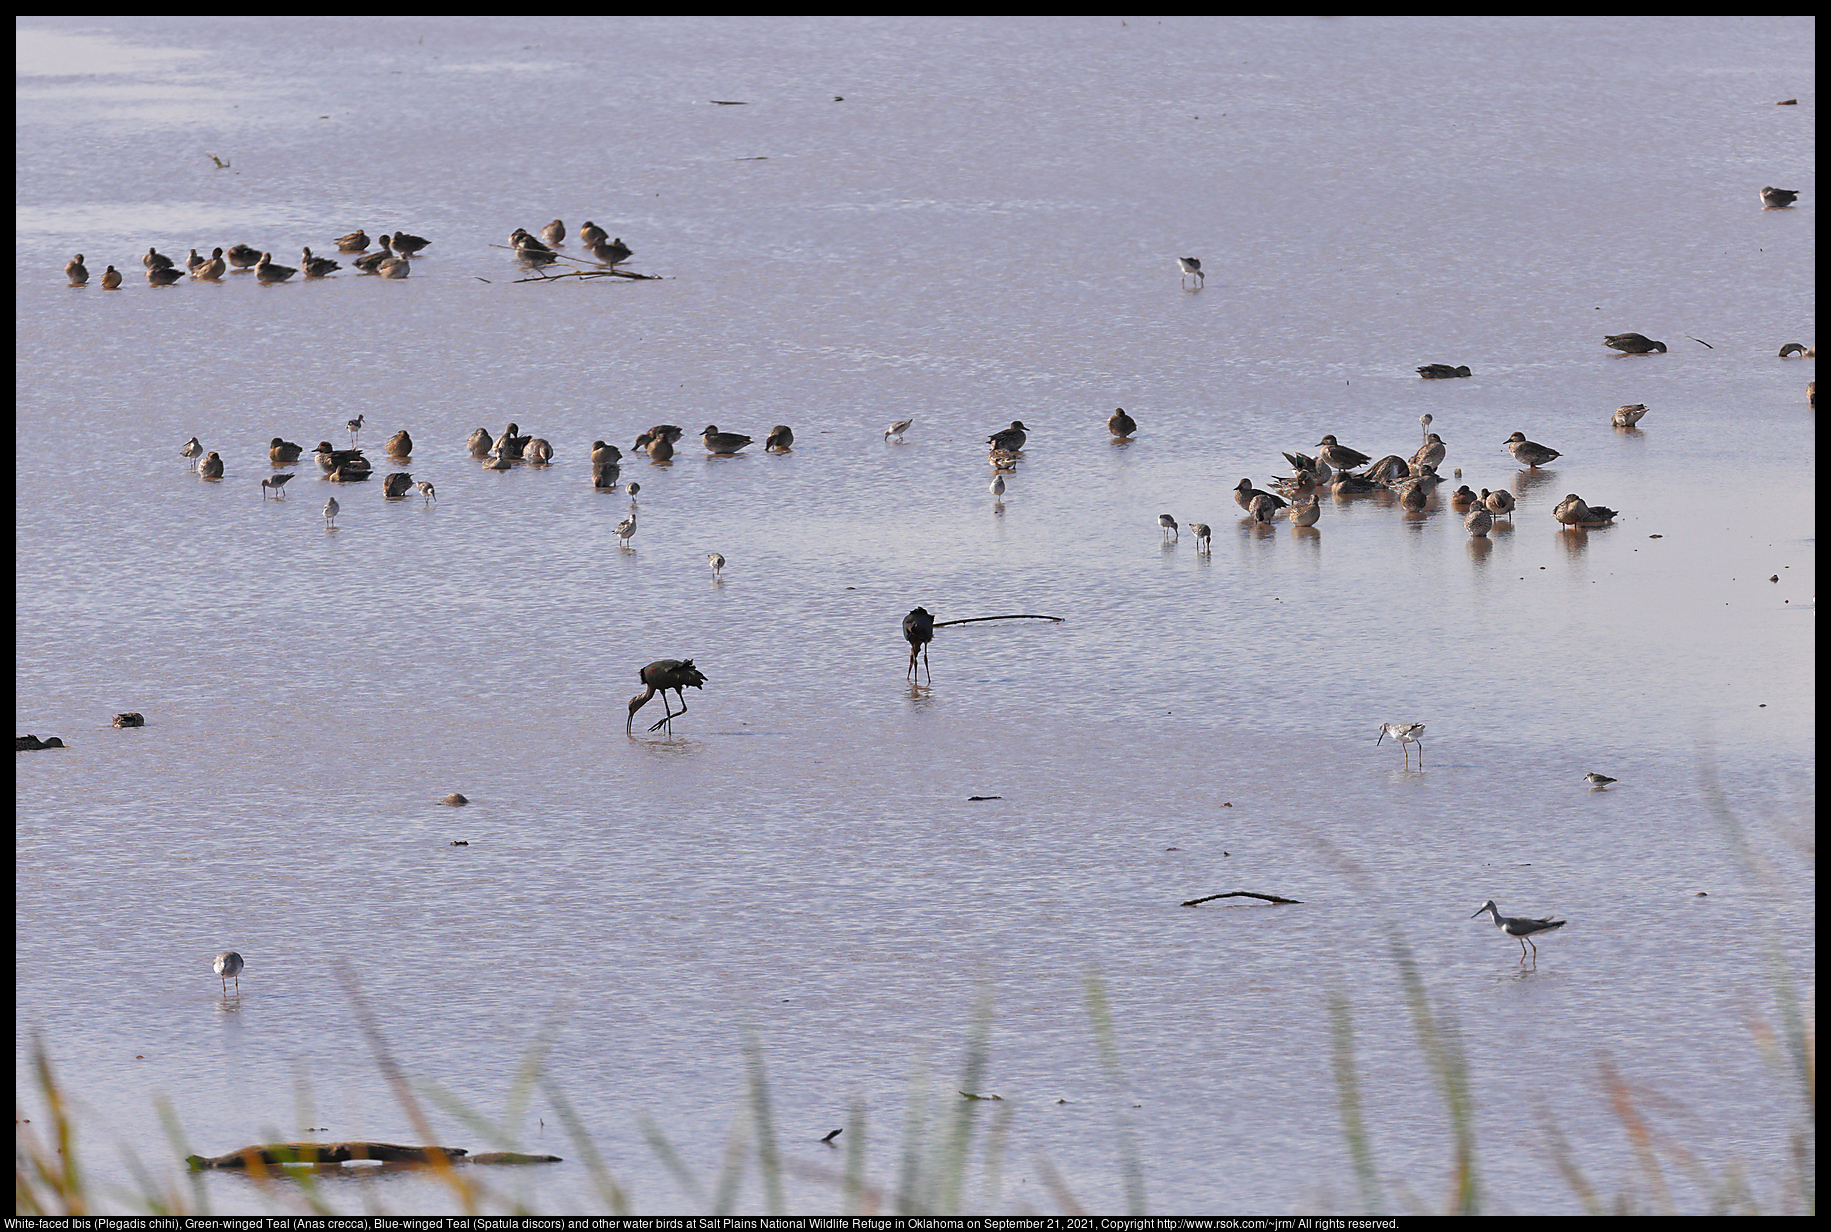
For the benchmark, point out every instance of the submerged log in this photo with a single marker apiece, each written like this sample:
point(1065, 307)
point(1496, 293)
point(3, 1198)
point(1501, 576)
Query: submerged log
point(1270, 898)
point(274, 1154)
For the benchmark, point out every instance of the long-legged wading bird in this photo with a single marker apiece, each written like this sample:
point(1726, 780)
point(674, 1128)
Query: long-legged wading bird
point(427, 492)
point(897, 429)
point(1521, 928)
point(193, 449)
point(717, 562)
point(277, 483)
point(1167, 525)
point(228, 966)
point(1597, 781)
point(1405, 734)
point(1191, 268)
point(1203, 533)
point(659, 677)
point(918, 631)
point(331, 510)
point(626, 529)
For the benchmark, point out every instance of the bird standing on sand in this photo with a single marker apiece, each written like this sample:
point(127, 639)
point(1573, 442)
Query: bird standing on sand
point(918, 631)
point(659, 677)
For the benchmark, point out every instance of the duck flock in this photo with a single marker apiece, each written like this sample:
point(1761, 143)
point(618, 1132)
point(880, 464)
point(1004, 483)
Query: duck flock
point(392, 258)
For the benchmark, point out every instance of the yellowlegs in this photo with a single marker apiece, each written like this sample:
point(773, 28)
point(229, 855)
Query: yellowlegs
point(1168, 525)
point(1597, 781)
point(426, 490)
point(1191, 268)
point(1778, 198)
point(193, 449)
point(277, 483)
point(1406, 734)
point(1120, 424)
point(228, 967)
point(1520, 928)
point(1529, 453)
point(659, 677)
point(331, 510)
point(897, 429)
point(1203, 534)
point(1634, 344)
point(717, 562)
point(626, 529)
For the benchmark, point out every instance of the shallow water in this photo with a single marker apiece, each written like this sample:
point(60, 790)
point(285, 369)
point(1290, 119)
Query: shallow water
point(984, 229)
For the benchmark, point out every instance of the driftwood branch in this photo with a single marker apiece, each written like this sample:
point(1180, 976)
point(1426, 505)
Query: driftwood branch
point(1270, 898)
point(942, 624)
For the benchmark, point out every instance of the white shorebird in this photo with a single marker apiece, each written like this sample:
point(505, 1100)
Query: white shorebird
point(1191, 268)
point(229, 967)
point(1168, 523)
point(1520, 928)
point(277, 483)
point(626, 529)
point(897, 429)
point(717, 562)
point(331, 510)
point(998, 488)
point(193, 449)
point(1597, 781)
point(426, 491)
point(1405, 734)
